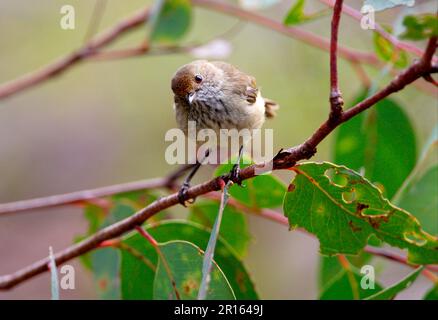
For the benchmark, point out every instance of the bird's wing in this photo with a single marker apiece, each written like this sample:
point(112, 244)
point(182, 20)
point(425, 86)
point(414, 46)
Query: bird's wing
point(239, 82)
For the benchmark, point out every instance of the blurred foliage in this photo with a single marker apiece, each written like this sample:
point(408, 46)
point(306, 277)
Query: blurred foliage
point(420, 27)
point(432, 294)
point(296, 14)
point(171, 20)
point(386, 51)
point(373, 139)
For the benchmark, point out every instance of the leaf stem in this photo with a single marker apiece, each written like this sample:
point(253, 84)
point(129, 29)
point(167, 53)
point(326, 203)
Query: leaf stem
point(163, 259)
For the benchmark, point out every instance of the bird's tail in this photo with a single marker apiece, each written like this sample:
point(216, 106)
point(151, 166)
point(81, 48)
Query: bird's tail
point(270, 108)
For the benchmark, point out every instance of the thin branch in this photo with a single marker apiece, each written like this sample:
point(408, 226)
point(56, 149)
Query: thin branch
point(336, 101)
point(91, 195)
point(431, 276)
point(62, 64)
point(421, 67)
point(80, 196)
point(284, 159)
point(395, 257)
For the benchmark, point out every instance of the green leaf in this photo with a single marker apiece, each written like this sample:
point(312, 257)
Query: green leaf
point(135, 198)
point(379, 5)
point(105, 262)
point(179, 274)
point(420, 27)
point(388, 52)
point(171, 20)
point(432, 294)
point(234, 228)
point(422, 200)
point(345, 214)
point(137, 269)
point(134, 268)
point(381, 142)
point(264, 191)
point(330, 266)
point(390, 292)
point(346, 285)
point(105, 265)
point(418, 192)
point(296, 14)
point(119, 212)
point(95, 216)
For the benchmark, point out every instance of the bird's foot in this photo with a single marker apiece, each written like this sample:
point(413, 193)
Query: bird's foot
point(235, 174)
point(183, 198)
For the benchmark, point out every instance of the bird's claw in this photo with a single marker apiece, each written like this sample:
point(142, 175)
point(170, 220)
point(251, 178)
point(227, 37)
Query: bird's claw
point(235, 174)
point(183, 196)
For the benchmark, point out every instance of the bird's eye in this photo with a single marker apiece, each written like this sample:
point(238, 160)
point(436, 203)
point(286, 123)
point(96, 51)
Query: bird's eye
point(198, 78)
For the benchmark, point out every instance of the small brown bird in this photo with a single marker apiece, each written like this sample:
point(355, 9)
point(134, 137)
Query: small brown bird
point(217, 95)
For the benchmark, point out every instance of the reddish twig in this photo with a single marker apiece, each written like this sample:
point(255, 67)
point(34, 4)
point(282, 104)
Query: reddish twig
point(345, 264)
point(336, 101)
point(81, 196)
point(163, 259)
point(91, 195)
point(395, 257)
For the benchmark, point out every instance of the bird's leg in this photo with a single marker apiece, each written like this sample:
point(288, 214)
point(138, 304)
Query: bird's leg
point(182, 193)
point(235, 171)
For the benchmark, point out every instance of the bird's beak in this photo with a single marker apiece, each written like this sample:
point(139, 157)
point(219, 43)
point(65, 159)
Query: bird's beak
point(190, 97)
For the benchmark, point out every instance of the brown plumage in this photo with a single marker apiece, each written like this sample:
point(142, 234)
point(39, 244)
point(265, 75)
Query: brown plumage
point(218, 96)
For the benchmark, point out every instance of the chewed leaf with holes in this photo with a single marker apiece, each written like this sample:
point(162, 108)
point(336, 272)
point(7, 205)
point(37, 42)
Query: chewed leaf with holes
point(179, 274)
point(343, 210)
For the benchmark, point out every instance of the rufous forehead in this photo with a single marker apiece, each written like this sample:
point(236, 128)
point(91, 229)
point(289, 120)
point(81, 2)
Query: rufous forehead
point(182, 83)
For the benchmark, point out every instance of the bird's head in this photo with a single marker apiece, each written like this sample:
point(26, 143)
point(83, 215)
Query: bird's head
point(194, 79)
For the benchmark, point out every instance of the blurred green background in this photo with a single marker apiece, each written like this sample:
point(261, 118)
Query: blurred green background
point(102, 123)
